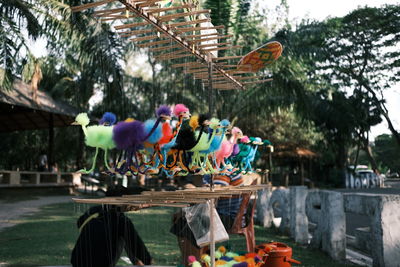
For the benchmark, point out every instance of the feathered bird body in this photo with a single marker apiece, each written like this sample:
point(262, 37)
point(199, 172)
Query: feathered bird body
point(206, 139)
point(154, 135)
point(99, 136)
point(227, 147)
point(186, 138)
point(220, 137)
point(128, 135)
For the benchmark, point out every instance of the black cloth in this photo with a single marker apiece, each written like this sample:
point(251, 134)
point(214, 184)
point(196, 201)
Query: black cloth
point(102, 239)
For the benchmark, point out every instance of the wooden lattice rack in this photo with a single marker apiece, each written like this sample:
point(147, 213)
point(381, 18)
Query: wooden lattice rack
point(179, 198)
point(178, 34)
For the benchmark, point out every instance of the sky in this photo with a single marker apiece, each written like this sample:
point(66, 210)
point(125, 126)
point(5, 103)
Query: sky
point(319, 10)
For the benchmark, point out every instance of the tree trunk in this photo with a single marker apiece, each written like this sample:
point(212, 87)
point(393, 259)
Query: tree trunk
point(382, 108)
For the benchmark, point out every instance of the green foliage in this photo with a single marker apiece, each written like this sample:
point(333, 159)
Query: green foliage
point(387, 152)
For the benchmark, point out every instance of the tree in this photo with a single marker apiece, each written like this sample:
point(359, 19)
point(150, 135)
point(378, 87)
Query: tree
point(360, 52)
point(387, 153)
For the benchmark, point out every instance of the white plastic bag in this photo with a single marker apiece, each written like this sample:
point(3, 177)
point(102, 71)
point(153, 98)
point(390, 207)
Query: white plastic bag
point(198, 219)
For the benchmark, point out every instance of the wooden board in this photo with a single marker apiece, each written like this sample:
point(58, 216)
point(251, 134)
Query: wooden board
point(261, 57)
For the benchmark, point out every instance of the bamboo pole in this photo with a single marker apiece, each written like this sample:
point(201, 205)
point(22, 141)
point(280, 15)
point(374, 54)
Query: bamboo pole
point(172, 56)
point(211, 45)
point(144, 38)
point(131, 33)
point(131, 25)
point(191, 29)
point(226, 58)
point(199, 35)
point(177, 24)
point(157, 10)
point(180, 65)
point(209, 39)
point(148, 44)
point(184, 14)
point(222, 48)
point(108, 11)
point(260, 81)
point(90, 5)
point(156, 49)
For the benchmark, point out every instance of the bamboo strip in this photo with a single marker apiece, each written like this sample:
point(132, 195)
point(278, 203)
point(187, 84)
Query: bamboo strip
point(184, 14)
point(226, 58)
point(195, 70)
point(199, 35)
point(131, 25)
point(172, 56)
point(191, 29)
point(156, 49)
point(157, 10)
point(108, 11)
point(186, 64)
point(90, 5)
point(177, 24)
point(129, 34)
point(222, 48)
point(260, 81)
point(115, 18)
point(248, 77)
point(209, 39)
point(154, 43)
point(149, 3)
point(144, 38)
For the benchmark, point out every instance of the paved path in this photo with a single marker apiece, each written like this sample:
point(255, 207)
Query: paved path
point(11, 212)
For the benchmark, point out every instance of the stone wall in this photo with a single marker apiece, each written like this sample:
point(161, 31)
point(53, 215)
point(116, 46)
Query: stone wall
point(318, 218)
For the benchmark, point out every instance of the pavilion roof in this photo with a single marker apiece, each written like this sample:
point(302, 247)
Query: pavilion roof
point(19, 111)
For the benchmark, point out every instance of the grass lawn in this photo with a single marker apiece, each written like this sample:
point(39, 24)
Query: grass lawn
point(47, 238)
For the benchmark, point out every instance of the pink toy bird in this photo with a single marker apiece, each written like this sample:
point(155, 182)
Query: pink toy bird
point(227, 147)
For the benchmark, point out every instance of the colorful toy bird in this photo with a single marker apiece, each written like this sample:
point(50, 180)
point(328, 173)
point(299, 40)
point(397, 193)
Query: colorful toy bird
point(98, 136)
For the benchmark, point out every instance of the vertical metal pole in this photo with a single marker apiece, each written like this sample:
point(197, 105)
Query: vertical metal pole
point(50, 154)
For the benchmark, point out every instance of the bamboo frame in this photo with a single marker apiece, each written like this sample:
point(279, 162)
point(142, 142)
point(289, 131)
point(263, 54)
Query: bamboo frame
point(164, 28)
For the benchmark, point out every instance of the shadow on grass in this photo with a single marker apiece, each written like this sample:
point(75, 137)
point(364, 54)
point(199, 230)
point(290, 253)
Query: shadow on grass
point(48, 237)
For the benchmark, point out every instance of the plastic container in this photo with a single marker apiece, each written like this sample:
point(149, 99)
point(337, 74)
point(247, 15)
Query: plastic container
point(277, 255)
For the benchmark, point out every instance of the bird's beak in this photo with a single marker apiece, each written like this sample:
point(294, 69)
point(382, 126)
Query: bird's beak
point(74, 123)
point(186, 115)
